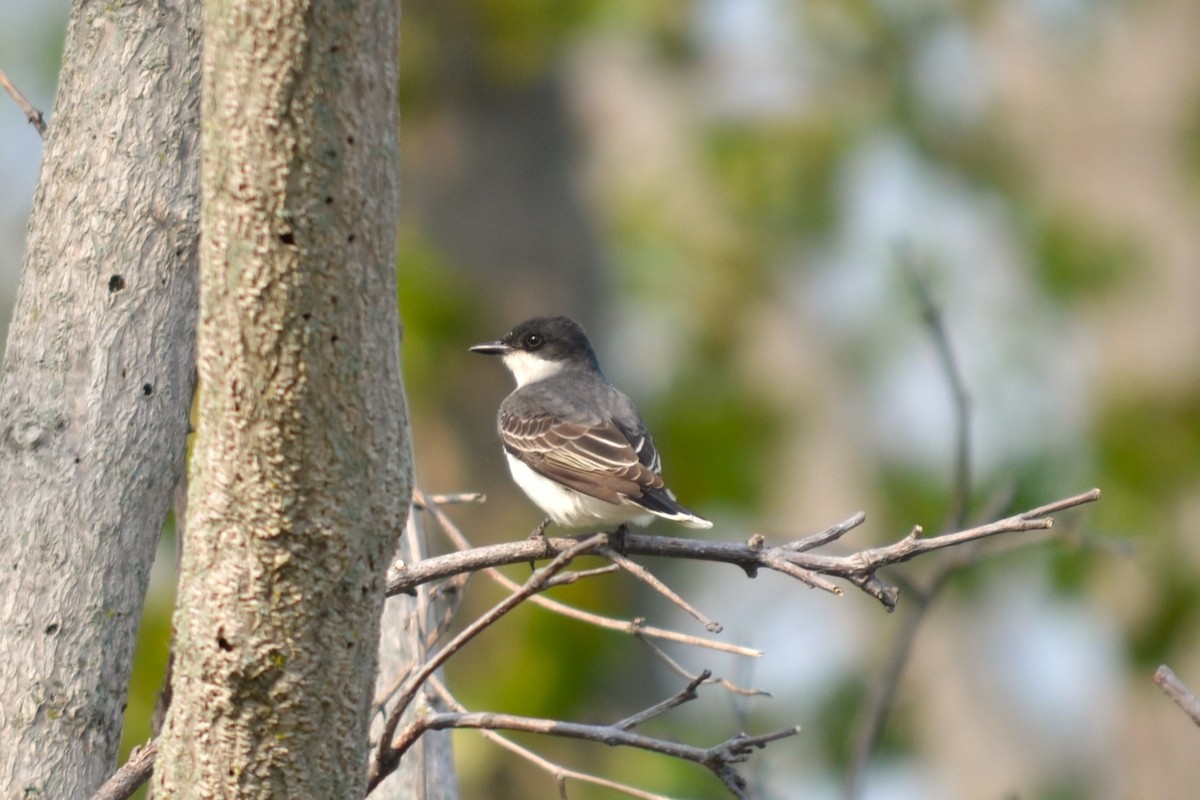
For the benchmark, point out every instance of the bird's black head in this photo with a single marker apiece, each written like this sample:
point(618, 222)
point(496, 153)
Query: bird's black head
point(542, 346)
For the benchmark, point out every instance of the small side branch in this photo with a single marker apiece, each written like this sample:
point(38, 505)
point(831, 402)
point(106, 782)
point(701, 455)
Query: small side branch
point(32, 114)
point(1175, 689)
point(132, 774)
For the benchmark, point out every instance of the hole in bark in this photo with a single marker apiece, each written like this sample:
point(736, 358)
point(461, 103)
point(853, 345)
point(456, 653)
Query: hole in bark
point(52, 629)
point(147, 389)
point(287, 238)
point(116, 283)
point(222, 642)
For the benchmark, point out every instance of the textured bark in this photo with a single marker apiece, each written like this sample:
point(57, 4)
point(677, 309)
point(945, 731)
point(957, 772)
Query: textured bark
point(97, 386)
point(300, 474)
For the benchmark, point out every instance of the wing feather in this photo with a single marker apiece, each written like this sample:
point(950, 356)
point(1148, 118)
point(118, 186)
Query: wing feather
point(600, 460)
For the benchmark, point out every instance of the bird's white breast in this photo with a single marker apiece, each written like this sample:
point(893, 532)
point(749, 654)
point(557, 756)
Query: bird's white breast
point(568, 507)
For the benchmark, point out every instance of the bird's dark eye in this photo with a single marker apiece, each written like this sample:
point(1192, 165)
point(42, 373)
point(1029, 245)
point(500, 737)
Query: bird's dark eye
point(532, 341)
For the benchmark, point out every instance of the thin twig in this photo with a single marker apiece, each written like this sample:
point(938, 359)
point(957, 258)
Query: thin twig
point(830, 534)
point(1175, 689)
point(882, 695)
point(935, 324)
point(645, 576)
point(459, 498)
point(132, 774)
point(679, 670)
point(32, 114)
point(684, 695)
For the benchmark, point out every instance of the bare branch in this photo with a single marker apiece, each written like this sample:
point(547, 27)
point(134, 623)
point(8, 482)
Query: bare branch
point(793, 558)
point(648, 578)
point(132, 774)
point(859, 568)
point(32, 114)
point(684, 695)
point(719, 759)
point(636, 627)
point(679, 670)
point(830, 534)
point(1178, 691)
point(883, 690)
point(560, 773)
point(387, 757)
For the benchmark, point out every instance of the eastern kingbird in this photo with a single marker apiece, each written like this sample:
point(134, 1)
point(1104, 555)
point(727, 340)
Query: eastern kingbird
point(575, 444)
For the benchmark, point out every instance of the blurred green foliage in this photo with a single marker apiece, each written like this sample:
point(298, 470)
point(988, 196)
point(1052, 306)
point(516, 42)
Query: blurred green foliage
point(1148, 452)
point(1075, 261)
point(716, 439)
point(778, 178)
point(437, 315)
point(1148, 445)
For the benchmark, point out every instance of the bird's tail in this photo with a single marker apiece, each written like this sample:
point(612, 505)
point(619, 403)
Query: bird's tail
point(662, 503)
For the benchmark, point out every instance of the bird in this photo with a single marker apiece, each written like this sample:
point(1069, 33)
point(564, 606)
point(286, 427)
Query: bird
point(575, 444)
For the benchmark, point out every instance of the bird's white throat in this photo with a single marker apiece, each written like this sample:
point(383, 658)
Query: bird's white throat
point(530, 367)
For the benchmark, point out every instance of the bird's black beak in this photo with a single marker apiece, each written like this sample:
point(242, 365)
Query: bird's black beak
point(496, 348)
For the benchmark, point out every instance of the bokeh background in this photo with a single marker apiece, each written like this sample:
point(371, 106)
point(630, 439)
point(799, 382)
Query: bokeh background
point(728, 194)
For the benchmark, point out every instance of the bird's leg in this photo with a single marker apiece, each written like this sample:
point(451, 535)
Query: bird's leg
point(540, 531)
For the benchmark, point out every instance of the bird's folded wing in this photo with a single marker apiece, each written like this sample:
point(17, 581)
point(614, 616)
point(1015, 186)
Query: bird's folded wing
point(599, 460)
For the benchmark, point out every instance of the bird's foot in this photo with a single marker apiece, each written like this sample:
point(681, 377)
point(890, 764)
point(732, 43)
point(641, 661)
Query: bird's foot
point(618, 538)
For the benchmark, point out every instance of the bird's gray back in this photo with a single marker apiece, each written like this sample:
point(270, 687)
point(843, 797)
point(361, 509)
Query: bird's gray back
point(578, 397)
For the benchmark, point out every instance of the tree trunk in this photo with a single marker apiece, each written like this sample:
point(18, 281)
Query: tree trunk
point(97, 386)
point(301, 471)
